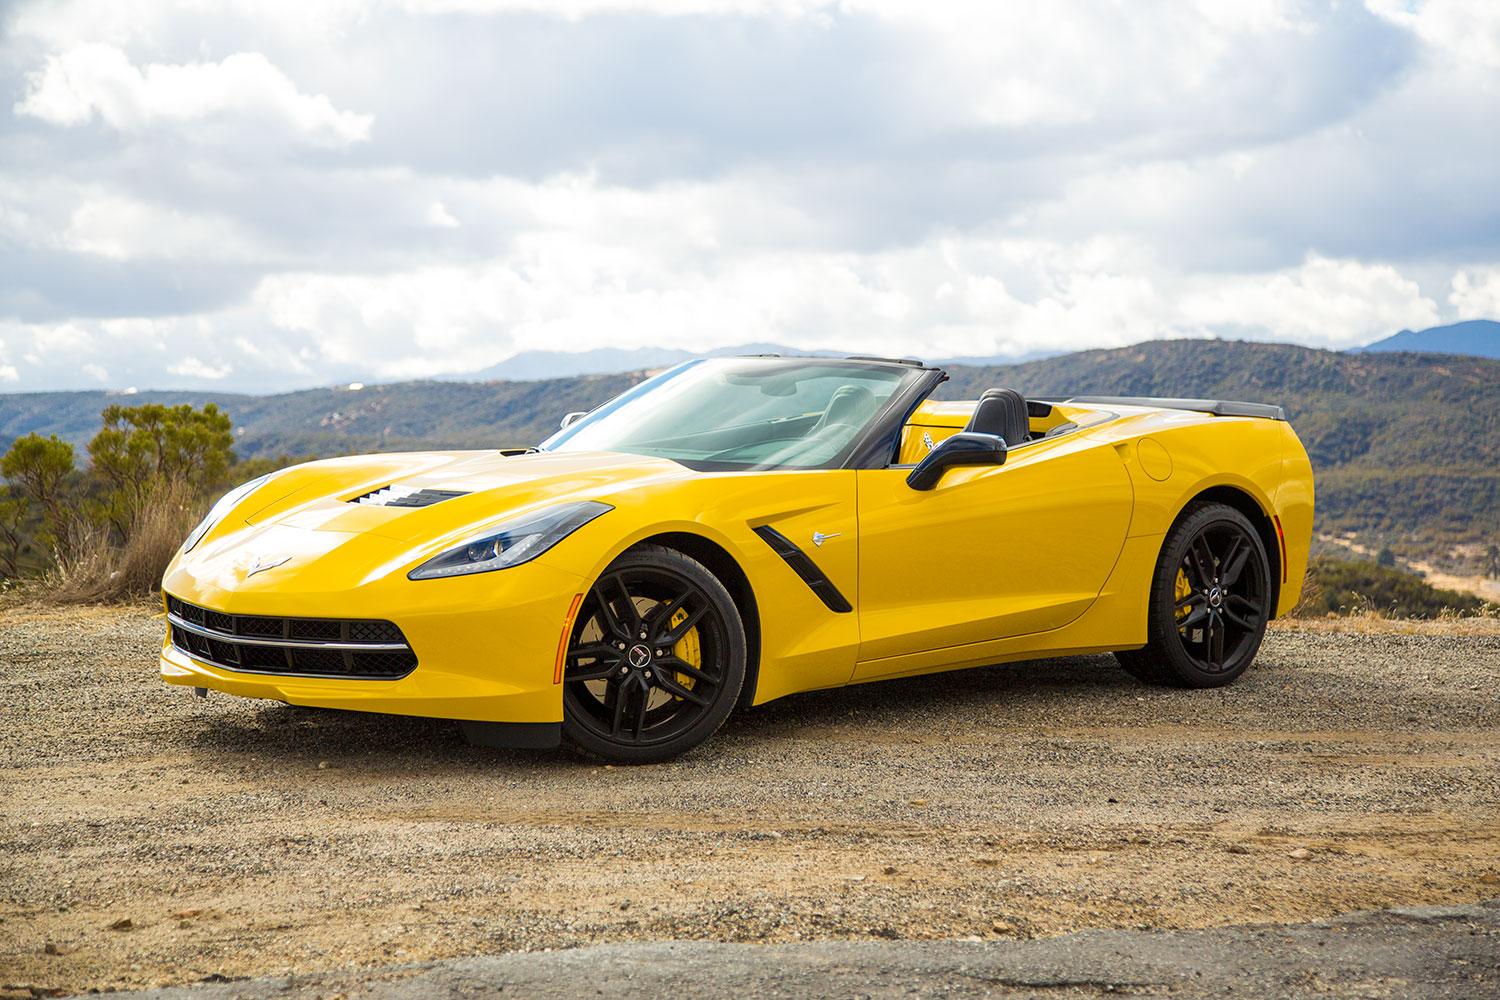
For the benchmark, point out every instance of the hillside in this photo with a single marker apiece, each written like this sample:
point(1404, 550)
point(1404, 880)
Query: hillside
point(1480, 337)
point(333, 421)
point(1406, 446)
point(536, 365)
point(531, 366)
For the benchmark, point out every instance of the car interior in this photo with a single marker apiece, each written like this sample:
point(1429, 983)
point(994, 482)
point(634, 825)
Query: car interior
point(1003, 412)
point(803, 416)
point(811, 438)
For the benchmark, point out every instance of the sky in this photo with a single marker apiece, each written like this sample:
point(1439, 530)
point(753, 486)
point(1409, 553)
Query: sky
point(267, 194)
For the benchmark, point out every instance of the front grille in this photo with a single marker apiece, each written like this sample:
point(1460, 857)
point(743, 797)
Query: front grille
point(319, 647)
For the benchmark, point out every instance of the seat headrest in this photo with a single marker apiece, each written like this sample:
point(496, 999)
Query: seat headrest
point(1002, 412)
point(850, 404)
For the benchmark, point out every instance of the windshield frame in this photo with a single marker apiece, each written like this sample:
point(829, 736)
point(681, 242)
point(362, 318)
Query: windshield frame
point(874, 446)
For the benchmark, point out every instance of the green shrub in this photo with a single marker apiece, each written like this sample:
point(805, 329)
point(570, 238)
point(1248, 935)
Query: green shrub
point(1343, 586)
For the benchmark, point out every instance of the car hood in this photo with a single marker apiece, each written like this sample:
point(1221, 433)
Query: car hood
point(424, 496)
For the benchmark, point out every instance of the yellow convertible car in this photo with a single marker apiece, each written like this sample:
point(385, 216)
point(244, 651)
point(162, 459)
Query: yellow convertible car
point(735, 530)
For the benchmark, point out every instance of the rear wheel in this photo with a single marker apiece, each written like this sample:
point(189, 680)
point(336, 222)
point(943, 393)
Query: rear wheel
point(1209, 604)
point(656, 659)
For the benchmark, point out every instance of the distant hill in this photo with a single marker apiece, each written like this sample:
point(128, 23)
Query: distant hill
point(1479, 337)
point(536, 365)
point(335, 421)
point(1406, 446)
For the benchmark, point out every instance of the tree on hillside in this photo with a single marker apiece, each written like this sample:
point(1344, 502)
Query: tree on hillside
point(41, 467)
point(142, 448)
point(13, 510)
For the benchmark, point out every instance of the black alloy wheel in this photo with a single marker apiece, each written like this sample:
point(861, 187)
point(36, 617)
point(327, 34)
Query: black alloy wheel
point(656, 659)
point(1210, 600)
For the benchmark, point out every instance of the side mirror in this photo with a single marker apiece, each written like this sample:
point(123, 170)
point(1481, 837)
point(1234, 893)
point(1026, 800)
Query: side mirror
point(573, 418)
point(963, 448)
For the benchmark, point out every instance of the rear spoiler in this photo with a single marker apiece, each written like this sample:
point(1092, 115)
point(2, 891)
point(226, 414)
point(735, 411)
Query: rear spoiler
point(1218, 407)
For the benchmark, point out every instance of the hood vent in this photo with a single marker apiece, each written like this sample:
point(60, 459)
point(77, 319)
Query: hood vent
point(406, 496)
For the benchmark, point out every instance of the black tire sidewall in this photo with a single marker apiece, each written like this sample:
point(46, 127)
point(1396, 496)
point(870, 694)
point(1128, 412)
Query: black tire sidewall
point(660, 557)
point(1164, 646)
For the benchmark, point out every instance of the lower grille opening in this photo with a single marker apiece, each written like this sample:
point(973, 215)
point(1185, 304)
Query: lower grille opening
point(363, 648)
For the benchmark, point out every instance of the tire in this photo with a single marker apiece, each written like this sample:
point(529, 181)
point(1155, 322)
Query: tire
point(1209, 635)
point(653, 607)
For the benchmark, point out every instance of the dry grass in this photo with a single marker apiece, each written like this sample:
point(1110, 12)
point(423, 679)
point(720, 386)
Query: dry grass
point(1366, 622)
point(97, 570)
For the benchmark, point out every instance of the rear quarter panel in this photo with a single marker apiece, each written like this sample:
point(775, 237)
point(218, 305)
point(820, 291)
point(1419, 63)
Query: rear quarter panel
point(1294, 505)
point(1174, 456)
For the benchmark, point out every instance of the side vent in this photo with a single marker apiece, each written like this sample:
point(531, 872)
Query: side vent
point(405, 496)
point(805, 568)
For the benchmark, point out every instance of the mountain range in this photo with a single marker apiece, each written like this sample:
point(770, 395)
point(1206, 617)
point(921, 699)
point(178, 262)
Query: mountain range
point(533, 365)
point(1480, 337)
point(1406, 446)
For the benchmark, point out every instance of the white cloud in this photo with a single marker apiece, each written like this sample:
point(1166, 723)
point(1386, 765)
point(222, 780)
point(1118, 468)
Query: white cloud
point(126, 229)
point(946, 297)
point(193, 368)
point(1327, 303)
point(244, 88)
point(1466, 30)
point(439, 216)
point(1476, 293)
point(932, 179)
point(68, 340)
point(96, 372)
point(8, 372)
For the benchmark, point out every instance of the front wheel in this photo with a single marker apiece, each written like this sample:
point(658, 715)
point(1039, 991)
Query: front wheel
point(1209, 603)
point(656, 659)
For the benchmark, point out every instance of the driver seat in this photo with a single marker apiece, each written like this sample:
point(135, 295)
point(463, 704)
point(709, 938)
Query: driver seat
point(1002, 412)
point(851, 404)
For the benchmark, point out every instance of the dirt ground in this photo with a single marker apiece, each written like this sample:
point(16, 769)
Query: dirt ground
point(148, 837)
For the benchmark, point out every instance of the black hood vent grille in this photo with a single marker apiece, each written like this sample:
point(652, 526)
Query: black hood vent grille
point(406, 496)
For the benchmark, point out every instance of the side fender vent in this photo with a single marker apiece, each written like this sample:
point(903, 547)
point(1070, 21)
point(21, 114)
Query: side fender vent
point(805, 568)
point(406, 496)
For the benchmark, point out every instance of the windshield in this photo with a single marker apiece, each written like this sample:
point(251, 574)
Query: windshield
point(762, 413)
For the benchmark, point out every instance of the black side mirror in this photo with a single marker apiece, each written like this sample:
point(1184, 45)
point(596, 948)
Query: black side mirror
point(963, 448)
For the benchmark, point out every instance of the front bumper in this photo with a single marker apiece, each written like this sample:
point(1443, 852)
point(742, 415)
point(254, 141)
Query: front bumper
point(486, 645)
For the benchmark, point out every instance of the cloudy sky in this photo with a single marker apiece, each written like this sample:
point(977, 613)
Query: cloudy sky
point(272, 193)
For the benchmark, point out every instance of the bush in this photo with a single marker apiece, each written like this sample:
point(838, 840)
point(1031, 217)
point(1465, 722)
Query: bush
point(108, 533)
point(1343, 586)
point(98, 569)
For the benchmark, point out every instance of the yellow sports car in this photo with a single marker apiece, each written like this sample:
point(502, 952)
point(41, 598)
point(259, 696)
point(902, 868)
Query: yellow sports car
point(735, 530)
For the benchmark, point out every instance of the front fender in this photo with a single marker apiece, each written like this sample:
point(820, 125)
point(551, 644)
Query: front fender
point(804, 644)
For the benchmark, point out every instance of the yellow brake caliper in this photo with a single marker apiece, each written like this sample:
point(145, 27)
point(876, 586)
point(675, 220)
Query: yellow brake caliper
point(1182, 590)
point(687, 649)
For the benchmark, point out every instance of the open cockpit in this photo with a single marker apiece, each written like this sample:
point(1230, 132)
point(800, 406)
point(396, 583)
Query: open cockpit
point(1002, 412)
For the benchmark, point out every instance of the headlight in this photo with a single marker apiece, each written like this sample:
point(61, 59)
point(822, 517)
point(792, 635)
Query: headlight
point(218, 510)
point(511, 543)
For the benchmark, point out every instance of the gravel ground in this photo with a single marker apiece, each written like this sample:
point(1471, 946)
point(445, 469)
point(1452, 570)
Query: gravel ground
point(151, 838)
point(1436, 953)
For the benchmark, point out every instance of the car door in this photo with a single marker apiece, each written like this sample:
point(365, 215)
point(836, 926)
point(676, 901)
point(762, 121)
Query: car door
point(990, 552)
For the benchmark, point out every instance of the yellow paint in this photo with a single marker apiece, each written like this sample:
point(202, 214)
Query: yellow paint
point(1051, 553)
point(1154, 459)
